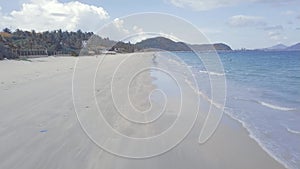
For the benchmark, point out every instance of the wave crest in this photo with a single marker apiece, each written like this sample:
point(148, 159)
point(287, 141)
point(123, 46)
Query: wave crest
point(211, 73)
point(276, 107)
point(292, 131)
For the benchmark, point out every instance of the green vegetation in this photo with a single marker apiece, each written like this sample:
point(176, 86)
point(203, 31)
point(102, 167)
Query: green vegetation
point(20, 44)
point(14, 44)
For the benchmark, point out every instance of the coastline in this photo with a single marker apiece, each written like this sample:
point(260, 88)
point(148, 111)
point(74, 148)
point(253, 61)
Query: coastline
point(231, 145)
point(42, 91)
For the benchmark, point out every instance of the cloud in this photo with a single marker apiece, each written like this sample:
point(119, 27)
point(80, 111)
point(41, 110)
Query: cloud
point(43, 15)
point(276, 27)
point(120, 31)
point(288, 12)
point(275, 1)
point(276, 36)
point(203, 5)
point(246, 21)
point(124, 30)
point(119, 25)
point(273, 34)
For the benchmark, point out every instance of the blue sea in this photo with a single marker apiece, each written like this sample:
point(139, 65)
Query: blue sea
point(263, 94)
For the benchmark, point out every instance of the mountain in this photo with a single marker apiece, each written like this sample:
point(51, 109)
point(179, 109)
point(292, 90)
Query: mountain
point(281, 47)
point(208, 47)
point(163, 43)
point(277, 47)
point(295, 47)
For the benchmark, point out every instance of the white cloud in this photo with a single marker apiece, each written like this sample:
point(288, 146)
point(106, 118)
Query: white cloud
point(44, 15)
point(137, 29)
point(202, 5)
point(276, 27)
point(122, 30)
point(273, 34)
point(246, 21)
point(275, 1)
point(276, 36)
point(119, 31)
point(119, 24)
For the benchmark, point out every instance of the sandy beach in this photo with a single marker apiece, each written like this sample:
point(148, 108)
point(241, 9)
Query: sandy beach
point(39, 126)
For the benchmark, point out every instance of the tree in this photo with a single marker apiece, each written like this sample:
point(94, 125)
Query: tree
point(6, 30)
point(56, 41)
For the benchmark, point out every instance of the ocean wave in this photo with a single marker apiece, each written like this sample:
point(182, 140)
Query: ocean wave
point(292, 131)
point(217, 105)
point(211, 73)
point(276, 107)
point(243, 123)
point(253, 135)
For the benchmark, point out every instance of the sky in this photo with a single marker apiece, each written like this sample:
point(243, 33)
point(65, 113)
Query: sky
point(239, 23)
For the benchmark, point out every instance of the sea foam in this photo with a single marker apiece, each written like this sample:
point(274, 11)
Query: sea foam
point(211, 73)
point(292, 131)
point(276, 107)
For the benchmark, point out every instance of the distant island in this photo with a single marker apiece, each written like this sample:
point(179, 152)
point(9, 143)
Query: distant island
point(282, 47)
point(31, 43)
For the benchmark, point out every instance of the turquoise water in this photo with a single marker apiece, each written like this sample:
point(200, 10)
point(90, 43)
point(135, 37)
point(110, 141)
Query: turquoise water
point(263, 93)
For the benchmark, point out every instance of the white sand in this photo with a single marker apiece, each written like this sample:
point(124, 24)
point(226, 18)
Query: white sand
point(39, 128)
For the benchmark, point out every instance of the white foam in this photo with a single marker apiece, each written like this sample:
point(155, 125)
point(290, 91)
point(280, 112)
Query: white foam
point(217, 105)
point(211, 73)
point(276, 107)
point(260, 142)
point(292, 131)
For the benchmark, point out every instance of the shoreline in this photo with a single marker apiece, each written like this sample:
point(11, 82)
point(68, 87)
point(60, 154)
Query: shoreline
point(231, 146)
point(243, 135)
point(256, 140)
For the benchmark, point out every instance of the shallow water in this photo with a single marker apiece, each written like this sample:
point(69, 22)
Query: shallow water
point(263, 93)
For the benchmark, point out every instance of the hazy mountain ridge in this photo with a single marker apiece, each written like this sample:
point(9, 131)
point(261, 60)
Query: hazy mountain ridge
point(163, 43)
point(294, 47)
point(282, 47)
point(216, 46)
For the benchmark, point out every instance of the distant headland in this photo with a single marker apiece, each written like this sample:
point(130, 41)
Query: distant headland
point(282, 47)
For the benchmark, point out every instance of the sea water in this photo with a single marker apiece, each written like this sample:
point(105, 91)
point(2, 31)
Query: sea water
point(263, 94)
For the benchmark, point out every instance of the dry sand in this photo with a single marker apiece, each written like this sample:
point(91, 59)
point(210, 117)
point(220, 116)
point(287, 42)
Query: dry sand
point(39, 127)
